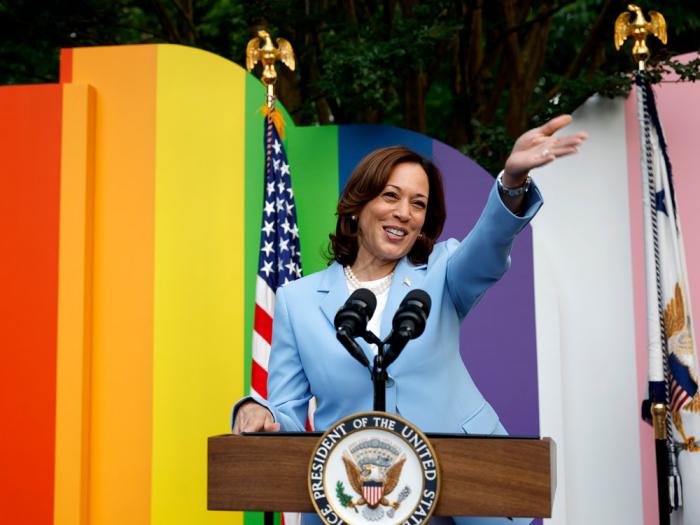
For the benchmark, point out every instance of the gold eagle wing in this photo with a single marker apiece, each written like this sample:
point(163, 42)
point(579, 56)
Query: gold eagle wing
point(622, 28)
point(286, 53)
point(252, 53)
point(674, 313)
point(393, 474)
point(658, 26)
point(353, 472)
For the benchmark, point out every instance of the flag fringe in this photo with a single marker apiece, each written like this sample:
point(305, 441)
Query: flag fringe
point(675, 491)
point(276, 117)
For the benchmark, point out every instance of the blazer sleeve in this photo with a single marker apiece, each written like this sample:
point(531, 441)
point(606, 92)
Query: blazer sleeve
point(483, 256)
point(288, 389)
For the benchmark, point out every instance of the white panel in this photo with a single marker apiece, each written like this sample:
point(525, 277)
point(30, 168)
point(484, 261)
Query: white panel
point(585, 324)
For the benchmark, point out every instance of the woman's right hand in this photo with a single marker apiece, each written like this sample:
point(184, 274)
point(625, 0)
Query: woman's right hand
point(253, 417)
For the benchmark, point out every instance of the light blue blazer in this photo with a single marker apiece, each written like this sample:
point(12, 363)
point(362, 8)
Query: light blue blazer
point(428, 383)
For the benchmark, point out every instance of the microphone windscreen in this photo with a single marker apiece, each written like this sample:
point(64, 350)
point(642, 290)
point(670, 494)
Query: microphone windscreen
point(366, 296)
point(418, 296)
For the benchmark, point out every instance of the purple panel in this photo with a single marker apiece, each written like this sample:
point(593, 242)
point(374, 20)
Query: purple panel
point(498, 341)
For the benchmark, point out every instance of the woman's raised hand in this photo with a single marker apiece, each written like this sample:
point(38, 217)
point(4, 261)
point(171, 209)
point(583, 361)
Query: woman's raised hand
point(538, 147)
point(253, 417)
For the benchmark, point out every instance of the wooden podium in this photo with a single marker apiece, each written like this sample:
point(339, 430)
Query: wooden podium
point(481, 476)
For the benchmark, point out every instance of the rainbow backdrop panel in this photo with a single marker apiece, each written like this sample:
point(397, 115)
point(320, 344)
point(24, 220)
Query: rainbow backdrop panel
point(131, 212)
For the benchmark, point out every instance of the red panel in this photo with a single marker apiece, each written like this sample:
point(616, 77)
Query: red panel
point(66, 66)
point(30, 133)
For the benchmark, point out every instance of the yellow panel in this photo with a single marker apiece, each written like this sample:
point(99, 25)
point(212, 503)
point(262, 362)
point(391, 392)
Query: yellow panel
point(120, 430)
point(198, 327)
point(74, 308)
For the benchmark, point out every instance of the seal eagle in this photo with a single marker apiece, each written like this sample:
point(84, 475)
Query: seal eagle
point(387, 480)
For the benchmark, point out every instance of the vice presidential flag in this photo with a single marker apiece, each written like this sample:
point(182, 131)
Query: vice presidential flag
point(673, 362)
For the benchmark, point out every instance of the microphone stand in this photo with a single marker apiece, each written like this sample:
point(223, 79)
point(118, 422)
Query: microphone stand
point(414, 311)
point(378, 372)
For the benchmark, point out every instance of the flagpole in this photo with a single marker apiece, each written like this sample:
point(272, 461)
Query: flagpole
point(658, 364)
point(279, 242)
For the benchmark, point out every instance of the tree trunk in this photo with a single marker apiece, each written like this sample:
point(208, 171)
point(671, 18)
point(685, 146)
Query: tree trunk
point(414, 101)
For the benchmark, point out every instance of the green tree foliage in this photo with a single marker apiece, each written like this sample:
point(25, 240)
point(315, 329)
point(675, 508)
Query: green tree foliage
point(472, 73)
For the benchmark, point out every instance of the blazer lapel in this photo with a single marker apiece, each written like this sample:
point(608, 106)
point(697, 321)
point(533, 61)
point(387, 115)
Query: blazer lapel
point(407, 277)
point(335, 288)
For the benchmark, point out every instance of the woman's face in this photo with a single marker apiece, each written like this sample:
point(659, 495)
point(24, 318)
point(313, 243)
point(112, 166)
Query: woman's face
point(389, 224)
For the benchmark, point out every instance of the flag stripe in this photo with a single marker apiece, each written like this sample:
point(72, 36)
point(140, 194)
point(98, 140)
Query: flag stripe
point(263, 324)
point(253, 391)
point(259, 379)
point(261, 350)
point(264, 296)
point(678, 396)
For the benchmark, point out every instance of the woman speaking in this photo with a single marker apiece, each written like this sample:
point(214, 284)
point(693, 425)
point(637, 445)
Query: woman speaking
point(390, 216)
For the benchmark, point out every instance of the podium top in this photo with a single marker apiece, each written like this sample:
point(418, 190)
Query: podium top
point(430, 435)
point(481, 475)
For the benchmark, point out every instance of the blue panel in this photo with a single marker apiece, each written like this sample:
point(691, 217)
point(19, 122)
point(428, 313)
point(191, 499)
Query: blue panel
point(357, 140)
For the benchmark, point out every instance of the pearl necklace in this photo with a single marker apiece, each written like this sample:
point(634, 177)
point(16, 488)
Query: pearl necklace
point(382, 285)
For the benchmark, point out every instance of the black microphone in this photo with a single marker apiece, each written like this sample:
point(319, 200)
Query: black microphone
point(409, 323)
point(351, 321)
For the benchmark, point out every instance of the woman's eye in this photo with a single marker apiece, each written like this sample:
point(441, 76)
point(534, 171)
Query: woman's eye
point(419, 204)
point(390, 195)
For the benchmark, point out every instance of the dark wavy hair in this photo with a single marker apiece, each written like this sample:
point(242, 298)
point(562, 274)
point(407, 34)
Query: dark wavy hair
point(367, 181)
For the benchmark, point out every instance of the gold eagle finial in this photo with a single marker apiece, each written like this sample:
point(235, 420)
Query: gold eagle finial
point(635, 25)
point(268, 54)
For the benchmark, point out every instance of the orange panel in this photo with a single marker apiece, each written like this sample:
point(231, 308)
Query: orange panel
point(74, 308)
point(124, 78)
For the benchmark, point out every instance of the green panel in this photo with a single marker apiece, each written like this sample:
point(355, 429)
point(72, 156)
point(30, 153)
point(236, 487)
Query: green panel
point(254, 177)
point(313, 158)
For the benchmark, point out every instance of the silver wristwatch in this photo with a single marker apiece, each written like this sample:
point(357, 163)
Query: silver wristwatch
point(512, 192)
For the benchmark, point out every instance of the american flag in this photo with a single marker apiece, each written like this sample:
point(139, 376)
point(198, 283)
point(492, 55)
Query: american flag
point(280, 256)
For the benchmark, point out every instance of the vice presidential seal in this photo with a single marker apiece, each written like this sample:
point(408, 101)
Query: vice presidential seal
point(374, 468)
